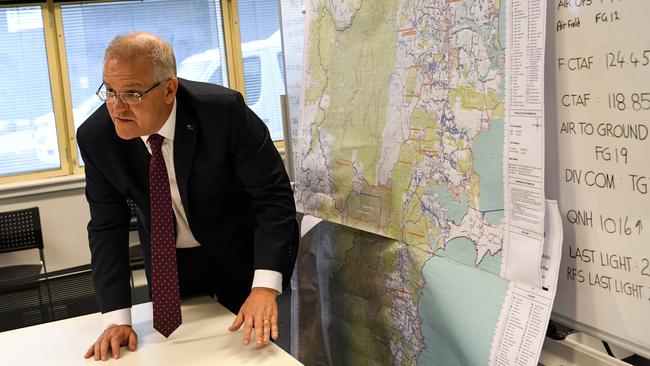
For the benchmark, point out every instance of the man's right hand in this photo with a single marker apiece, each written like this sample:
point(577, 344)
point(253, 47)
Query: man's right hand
point(111, 340)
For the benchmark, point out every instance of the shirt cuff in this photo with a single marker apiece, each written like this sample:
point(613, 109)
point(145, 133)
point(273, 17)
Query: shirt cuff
point(116, 317)
point(268, 278)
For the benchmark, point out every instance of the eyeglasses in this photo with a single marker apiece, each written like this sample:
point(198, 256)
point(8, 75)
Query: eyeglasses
point(110, 96)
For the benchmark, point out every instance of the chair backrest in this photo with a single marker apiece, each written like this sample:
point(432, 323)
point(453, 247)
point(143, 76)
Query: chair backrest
point(133, 209)
point(20, 230)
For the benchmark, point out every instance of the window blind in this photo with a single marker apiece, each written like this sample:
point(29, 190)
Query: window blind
point(28, 139)
point(261, 46)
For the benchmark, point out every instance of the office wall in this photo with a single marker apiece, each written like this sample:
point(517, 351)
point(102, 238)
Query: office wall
point(64, 215)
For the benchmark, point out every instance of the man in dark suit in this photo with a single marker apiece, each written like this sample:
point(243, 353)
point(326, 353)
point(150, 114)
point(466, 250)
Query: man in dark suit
point(226, 203)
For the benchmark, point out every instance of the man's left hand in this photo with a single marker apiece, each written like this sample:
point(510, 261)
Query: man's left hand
point(259, 312)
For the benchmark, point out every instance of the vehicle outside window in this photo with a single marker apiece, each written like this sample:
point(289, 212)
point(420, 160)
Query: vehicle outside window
point(263, 77)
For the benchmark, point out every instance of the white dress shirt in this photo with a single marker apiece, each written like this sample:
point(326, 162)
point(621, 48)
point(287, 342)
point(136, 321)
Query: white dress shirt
point(184, 237)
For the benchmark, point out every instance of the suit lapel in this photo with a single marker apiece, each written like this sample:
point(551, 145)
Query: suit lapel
point(184, 143)
point(139, 158)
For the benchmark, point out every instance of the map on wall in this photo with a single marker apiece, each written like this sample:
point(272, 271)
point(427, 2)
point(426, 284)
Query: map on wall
point(405, 147)
point(367, 299)
point(419, 158)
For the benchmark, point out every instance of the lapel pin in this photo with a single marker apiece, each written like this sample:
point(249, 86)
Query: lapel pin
point(189, 127)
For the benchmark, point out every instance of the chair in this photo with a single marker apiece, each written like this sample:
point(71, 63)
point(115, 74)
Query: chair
point(133, 209)
point(136, 260)
point(21, 230)
point(21, 302)
point(135, 251)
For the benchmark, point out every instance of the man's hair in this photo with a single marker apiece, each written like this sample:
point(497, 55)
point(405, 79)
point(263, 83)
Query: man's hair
point(132, 46)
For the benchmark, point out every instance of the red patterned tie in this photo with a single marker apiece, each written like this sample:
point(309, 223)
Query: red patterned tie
point(164, 275)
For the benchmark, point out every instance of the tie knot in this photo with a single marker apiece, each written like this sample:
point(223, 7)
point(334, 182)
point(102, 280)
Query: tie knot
point(155, 141)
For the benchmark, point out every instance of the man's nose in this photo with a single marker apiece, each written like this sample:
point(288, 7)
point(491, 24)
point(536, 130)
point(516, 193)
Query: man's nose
point(119, 104)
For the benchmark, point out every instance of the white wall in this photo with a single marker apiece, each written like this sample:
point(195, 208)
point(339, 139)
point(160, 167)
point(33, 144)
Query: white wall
point(64, 216)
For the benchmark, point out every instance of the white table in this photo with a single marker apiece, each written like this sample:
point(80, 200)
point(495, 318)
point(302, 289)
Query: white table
point(202, 339)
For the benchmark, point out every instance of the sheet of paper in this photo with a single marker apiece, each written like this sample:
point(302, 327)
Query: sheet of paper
point(522, 326)
point(524, 141)
point(552, 255)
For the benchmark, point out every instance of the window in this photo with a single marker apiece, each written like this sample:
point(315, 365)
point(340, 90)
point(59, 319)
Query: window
point(280, 57)
point(253, 79)
point(52, 55)
point(260, 38)
point(26, 111)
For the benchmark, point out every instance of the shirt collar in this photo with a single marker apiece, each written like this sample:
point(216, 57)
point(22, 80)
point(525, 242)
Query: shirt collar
point(168, 129)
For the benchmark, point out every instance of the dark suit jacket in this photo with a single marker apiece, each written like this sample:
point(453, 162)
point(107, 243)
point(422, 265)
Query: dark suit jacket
point(232, 183)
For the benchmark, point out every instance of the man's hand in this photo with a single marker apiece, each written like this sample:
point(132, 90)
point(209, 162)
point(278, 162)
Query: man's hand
point(260, 311)
point(112, 339)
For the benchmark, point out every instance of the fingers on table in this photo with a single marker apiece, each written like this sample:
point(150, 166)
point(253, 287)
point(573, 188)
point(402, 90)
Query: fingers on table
point(274, 326)
point(90, 351)
point(97, 351)
point(105, 347)
point(248, 327)
point(115, 347)
point(263, 326)
point(237, 323)
point(259, 328)
point(269, 328)
point(133, 341)
point(267, 325)
point(110, 342)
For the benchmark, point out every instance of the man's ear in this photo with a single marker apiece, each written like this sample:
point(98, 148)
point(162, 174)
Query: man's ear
point(171, 86)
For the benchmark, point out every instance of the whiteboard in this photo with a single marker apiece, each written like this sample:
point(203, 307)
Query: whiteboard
point(598, 165)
